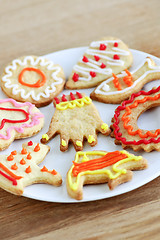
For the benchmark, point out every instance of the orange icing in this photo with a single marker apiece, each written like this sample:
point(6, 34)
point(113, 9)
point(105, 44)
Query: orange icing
point(126, 119)
point(9, 172)
point(29, 156)
point(128, 79)
point(28, 169)
point(24, 151)
point(116, 82)
point(22, 161)
point(14, 167)
point(14, 152)
point(37, 148)
point(44, 169)
point(38, 84)
point(10, 157)
point(98, 163)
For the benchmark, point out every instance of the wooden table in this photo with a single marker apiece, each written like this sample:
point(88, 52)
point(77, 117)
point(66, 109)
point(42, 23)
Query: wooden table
point(43, 26)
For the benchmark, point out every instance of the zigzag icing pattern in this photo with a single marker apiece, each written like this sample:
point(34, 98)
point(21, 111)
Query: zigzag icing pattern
point(40, 60)
point(118, 134)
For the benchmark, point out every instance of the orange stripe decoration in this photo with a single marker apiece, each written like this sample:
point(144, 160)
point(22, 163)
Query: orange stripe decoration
point(98, 163)
point(128, 79)
point(38, 84)
point(116, 82)
point(126, 119)
point(9, 172)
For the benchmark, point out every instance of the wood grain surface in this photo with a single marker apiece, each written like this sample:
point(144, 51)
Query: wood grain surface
point(43, 26)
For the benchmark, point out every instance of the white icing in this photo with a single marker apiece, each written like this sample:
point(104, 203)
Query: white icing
point(152, 69)
point(106, 87)
point(103, 54)
point(39, 60)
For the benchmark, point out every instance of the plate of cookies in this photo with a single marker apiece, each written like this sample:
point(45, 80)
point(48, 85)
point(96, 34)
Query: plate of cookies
point(82, 122)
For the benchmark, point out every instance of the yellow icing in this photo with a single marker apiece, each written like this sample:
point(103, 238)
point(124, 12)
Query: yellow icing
point(91, 139)
point(104, 126)
point(45, 136)
point(112, 175)
point(79, 143)
point(63, 143)
point(74, 103)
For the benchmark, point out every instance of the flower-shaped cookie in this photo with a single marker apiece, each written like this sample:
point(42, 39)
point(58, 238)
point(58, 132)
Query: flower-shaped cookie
point(33, 79)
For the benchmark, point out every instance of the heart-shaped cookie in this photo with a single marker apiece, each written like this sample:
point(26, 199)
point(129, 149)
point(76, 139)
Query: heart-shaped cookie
point(100, 60)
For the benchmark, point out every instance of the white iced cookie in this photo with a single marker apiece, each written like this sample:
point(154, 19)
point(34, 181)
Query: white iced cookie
point(100, 60)
point(33, 79)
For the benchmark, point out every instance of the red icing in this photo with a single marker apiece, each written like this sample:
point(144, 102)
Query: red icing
point(116, 57)
point(72, 96)
point(118, 135)
point(30, 143)
point(102, 46)
point(85, 59)
point(96, 58)
point(14, 181)
point(75, 77)
point(103, 65)
point(93, 74)
point(64, 99)
point(57, 100)
point(79, 95)
point(115, 44)
point(14, 121)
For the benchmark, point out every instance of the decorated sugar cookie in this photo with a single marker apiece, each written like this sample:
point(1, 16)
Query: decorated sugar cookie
point(19, 169)
point(33, 79)
point(100, 167)
point(125, 128)
point(75, 119)
point(120, 87)
point(18, 120)
point(100, 60)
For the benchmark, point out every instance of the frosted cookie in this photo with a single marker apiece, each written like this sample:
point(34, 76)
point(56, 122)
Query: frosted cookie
point(33, 79)
point(120, 87)
point(100, 60)
point(100, 167)
point(125, 128)
point(19, 169)
point(18, 120)
point(75, 119)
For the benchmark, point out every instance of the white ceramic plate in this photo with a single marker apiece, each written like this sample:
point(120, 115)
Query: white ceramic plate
point(63, 161)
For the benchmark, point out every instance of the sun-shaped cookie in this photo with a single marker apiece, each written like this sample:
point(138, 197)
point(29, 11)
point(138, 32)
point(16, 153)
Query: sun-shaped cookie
point(33, 79)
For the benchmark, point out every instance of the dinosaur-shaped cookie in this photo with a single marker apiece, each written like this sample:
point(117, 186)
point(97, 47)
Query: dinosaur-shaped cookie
point(19, 169)
point(100, 167)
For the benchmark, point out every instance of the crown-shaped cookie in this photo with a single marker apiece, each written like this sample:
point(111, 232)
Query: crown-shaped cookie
point(75, 119)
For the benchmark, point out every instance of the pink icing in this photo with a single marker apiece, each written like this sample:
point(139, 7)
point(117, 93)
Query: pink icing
point(33, 116)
